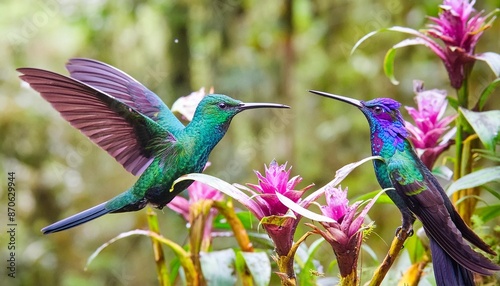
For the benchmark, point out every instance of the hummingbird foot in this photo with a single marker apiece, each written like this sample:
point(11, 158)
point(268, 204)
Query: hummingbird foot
point(402, 232)
point(406, 229)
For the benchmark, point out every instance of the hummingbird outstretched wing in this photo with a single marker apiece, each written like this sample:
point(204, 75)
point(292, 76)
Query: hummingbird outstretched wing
point(424, 199)
point(120, 85)
point(121, 130)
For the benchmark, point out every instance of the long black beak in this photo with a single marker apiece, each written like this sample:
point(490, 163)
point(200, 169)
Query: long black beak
point(244, 106)
point(352, 101)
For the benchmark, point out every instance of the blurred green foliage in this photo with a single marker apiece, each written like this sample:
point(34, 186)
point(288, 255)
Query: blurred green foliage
point(251, 50)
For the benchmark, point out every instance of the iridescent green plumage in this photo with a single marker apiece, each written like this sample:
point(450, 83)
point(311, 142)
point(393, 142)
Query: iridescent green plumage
point(417, 193)
point(135, 127)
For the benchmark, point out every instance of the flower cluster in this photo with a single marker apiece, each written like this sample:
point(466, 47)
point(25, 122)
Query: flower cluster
point(345, 234)
point(459, 28)
point(272, 212)
point(430, 124)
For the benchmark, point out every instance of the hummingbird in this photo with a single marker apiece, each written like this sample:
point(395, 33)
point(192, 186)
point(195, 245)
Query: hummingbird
point(134, 126)
point(417, 193)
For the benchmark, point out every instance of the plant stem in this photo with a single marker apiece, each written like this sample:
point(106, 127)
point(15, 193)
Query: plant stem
point(198, 213)
point(396, 247)
point(285, 263)
point(227, 210)
point(414, 273)
point(183, 255)
point(161, 267)
point(351, 279)
point(463, 158)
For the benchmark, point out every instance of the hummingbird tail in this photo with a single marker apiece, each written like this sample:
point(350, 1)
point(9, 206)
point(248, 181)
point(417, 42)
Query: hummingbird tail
point(77, 219)
point(446, 270)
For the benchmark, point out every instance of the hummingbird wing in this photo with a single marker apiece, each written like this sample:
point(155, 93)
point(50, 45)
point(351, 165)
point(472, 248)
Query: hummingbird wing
point(121, 130)
point(120, 85)
point(467, 233)
point(425, 201)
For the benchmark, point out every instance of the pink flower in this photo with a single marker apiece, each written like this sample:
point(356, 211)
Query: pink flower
point(196, 192)
point(276, 179)
point(271, 211)
point(346, 233)
point(430, 125)
point(459, 28)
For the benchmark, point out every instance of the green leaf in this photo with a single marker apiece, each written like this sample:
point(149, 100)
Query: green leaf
point(453, 102)
point(218, 267)
point(241, 269)
point(389, 65)
point(306, 277)
point(415, 248)
point(488, 154)
point(492, 191)
point(486, 124)
point(492, 59)
point(176, 270)
point(383, 199)
point(258, 264)
point(489, 212)
point(475, 179)
point(178, 250)
point(247, 219)
point(391, 54)
point(487, 92)
point(400, 29)
point(443, 172)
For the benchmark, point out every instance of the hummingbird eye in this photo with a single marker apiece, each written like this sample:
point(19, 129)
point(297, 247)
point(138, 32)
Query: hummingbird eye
point(378, 110)
point(222, 105)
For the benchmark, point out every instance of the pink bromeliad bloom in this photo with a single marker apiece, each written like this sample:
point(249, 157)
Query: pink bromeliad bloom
point(452, 36)
point(459, 27)
point(345, 234)
point(430, 125)
point(269, 209)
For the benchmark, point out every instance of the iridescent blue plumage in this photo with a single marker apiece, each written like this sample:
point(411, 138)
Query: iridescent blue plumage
point(417, 193)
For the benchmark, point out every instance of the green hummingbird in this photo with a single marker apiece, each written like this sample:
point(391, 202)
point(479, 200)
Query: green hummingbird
point(134, 126)
point(417, 192)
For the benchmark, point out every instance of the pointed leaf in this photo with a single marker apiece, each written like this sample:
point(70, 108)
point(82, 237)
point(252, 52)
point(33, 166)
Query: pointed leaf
point(488, 213)
point(243, 273)
point(305, 276)
point(224, 187)
point(302, 211)
point(492, 59)
point(383, 199)
point(393, 29)
point(340, 175)
point(218, 267)
point(247, 219)
point(487, 92)
point(475, 179)
point(415, 248)
point(259, 265)
point(178, 250)
point(486, 124)
point(389, 65)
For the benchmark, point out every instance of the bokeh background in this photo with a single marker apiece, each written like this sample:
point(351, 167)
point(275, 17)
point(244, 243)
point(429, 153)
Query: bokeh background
point(252, 50)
